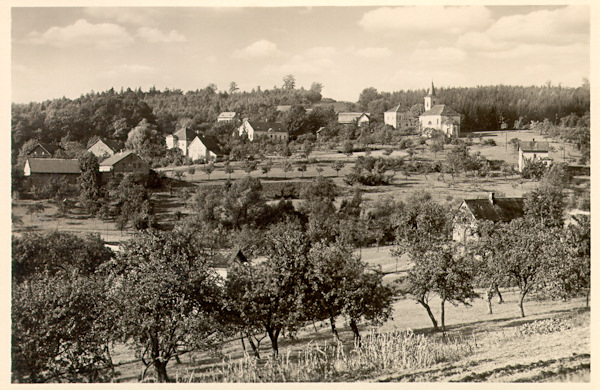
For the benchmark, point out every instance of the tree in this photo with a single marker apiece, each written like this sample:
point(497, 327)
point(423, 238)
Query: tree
point(302, 168)
point(145, 140)
point(338, 165)
point(132, 204)
point(90, 183)
point(208, 169)
point(307, 148)
point(191, 171)
point(545, 205)
point(289, 82)
point(437, 146)
point(367, 96)
point(348, 148)
point(267, 167)
point(249, 165)
point(228, 169)
point(167, 296)
point(287, 167)
point(233, 87)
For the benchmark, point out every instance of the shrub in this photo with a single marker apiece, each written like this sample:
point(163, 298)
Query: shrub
point(549, 325)
point(489, 142)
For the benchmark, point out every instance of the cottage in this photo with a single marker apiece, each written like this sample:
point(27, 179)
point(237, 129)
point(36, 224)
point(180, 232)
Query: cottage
point(181, 139)
point(533, 151)
point(227, 116)
point(272, 130)
point(284, 108)
point(205, 148)
point(361, 118)
point(123, 162)
point(491, 209)
point(40, 171)
point(399, 119)
point(43, 151)
point(439, 116)
point(103, 148)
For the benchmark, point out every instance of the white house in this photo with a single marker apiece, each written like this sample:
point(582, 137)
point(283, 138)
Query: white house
point(398, 119)
point(439, 116)
point(103, 148)
point(272, 130)
point(227, 116)
point(532, 151)
point(361, 118)
point(181, 139)
point(204, 148)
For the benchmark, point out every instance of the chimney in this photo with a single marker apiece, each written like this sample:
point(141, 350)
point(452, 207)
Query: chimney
point(492, 197)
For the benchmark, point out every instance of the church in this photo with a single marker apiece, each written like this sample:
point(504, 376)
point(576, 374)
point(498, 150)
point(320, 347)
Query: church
point(439, 116)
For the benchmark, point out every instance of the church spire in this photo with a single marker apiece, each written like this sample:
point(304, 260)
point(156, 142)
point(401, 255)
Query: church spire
point(431, 90)
point(430, 98)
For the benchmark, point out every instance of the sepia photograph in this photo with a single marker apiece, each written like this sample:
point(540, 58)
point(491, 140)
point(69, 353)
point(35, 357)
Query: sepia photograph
point(369, 192)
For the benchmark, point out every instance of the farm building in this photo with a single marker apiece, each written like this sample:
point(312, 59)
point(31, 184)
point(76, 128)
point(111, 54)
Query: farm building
point(123, 162)
point(205, 148)
point(399, 119)
point(491, 209)
point(181, 139)
point(361, 118)
point(439, 116)
point(43, 151)
point(227, 116)
point(103, 148)
point(273, 130)
point(533, 151)
point(40, 171)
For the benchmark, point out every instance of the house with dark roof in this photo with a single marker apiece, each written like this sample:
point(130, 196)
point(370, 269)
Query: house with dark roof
point(227, 116)
point(205, 148)
point(181, 139)
point(43, 150)
point(399, 118)
point(533, 151)
point(271, 130)
point(123, 162)
point(493, 209)
point(39, 171)
point(103, 148)
point(439, 116)
point(361, 118)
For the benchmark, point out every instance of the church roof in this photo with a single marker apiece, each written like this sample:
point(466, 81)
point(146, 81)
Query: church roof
point(431, 91)
point(441, 109)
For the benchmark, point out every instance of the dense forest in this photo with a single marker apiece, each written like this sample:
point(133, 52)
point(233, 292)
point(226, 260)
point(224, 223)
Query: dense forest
point(113, 114)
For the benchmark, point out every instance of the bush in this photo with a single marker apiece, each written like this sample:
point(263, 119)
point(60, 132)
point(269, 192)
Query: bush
point(549, 325)
point(489, 142)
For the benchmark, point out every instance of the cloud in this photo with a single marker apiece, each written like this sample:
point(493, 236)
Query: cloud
point(83, 34)
point(126, 15)
point(321, 52)
point(426, 19)
point(315, 60)
point(438, 57)
point(262, 48)
point(154, 35)
point(128, 70)
point(374, 52)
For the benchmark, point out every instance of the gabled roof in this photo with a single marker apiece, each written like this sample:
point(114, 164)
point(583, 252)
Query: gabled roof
point(185, 134)
point(534, 146)
point(395, 109)
point(349, 117)
point(450, 121)
point(110, 143)
point(115, 158)
point(227, 114)
point(50, 148)
point(237, 255)
point(276, 127)
point(498, 210)
point(441, 109)
point(211, 143)
point(53, 165)
point(337, 106)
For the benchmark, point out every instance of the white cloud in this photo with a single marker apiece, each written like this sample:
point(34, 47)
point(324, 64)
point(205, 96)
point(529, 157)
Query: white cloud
point(262, 48)
point(374, 52)
point(558, 26)
point(154, 35)
point(126, 15)
point(128, 70)
point(437, 57)
point(426, 19)
point(83, 34)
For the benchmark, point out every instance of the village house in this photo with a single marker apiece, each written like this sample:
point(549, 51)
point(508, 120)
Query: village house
point(181, 139)
point(43, 151)
point(40, 171)
point(103, 148)
point(227, 116)
point(205, 148)
point(361, 118)
point(123, 162)
point(533, 151)
point(439, 116)
point(492, 209)
point(272, 130)
point(399, 119)
point(284, 108)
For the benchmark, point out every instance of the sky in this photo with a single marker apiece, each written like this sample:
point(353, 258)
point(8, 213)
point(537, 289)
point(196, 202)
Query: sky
point(69, 51)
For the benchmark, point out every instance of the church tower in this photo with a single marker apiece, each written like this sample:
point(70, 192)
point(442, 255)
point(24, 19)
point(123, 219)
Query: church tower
point(430, 99)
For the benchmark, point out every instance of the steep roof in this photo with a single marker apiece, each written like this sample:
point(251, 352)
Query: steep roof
point(237, 255)
point(534, 146)
point(227, 114)
point(48, 147)
point(185, 134)
point(395, 109)
point(211, 143)
point(440, 109)
point(53, 165)
point(498, 210)
point(431, 91)
point(276, 127)
point(110, 143)
point(115, 158)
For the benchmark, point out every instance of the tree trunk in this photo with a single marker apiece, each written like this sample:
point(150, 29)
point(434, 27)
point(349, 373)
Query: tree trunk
point(242, 340)
point(426, 306)
point(443, 315)
point(274, 335)
point(253, 346)
point(160, 365)
point(500, 300)
point(521, 299)
point(489, 295)
point(333, 328)
point(354, 328)
point(587, 298)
